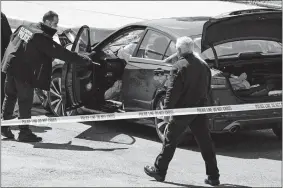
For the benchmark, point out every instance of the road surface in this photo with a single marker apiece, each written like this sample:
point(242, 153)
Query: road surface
point(114, 154)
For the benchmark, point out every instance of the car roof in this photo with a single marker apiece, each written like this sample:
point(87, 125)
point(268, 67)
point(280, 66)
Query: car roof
point(190, 26)
point(178, 26)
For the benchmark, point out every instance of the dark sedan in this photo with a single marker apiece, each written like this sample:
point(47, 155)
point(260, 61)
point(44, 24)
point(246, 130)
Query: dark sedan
point(243, 49)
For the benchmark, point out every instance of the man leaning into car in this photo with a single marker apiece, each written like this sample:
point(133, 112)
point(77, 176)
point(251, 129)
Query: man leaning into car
point(27, 63)
point(189, 87)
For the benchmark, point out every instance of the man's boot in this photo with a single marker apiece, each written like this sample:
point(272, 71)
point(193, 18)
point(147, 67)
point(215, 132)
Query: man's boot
point(155, 173)
point(6, 132)
point(26, 135)
point(214, 181)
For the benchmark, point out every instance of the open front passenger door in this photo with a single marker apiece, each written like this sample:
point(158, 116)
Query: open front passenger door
point(77, 78)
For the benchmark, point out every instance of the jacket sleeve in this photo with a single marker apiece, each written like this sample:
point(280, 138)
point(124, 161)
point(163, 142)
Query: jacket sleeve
point(6, 33)
point(174, 88)
point(54, 50)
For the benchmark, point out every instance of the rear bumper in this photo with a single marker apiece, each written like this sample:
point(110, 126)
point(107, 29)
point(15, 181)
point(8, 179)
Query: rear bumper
point(251, 120)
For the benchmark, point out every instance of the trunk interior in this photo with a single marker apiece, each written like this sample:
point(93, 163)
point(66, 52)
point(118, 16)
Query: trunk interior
point(255, 80)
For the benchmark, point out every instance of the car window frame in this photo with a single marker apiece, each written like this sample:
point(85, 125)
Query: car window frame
point(134, 59)
point(126, 32)
point(209, 49)
point(158, 32)
point(113, 35)
point(171, 41)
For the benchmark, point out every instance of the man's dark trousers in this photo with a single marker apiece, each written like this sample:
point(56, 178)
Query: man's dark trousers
point(199, 127)
point(16, 89)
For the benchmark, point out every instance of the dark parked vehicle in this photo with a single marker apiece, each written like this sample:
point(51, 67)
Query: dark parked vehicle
point(243, 49)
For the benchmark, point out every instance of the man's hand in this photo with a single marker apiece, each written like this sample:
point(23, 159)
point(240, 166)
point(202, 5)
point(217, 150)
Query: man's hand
point(87, 59)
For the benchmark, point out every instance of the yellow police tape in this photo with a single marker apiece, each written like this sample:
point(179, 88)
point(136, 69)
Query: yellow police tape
point(142, 114)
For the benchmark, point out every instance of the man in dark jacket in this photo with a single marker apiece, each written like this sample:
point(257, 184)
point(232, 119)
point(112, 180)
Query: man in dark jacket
point(28, 64)
point(189, 87)
point(6, 33)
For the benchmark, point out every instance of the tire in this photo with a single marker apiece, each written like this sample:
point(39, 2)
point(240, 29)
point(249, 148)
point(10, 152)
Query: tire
point(185, 139)
point(42, 95)
point(160, 128)
point(278, 131)
point(54, 97)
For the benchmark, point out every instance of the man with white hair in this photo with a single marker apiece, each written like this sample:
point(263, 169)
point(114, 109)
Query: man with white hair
point(189, 86)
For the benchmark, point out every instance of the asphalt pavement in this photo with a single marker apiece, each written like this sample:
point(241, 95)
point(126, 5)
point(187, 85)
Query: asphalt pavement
point(114, 153)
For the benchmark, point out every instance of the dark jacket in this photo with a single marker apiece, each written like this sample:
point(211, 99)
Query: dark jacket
point(189, 83)
point(30, 54)
point(6, 33)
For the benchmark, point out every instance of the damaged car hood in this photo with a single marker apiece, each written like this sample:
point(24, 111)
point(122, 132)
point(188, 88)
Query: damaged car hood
point(255, 26)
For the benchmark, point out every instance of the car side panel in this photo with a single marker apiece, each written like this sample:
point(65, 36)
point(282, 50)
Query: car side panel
point(140, 83)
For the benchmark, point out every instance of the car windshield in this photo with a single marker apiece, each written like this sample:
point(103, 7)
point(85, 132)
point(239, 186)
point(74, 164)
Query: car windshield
point(237, 47)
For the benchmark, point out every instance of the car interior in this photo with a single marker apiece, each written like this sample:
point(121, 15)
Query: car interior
point(260, 60)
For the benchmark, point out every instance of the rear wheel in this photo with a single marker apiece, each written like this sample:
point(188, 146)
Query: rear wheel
point(277, 130)
point(54, 97)
point(186, 138)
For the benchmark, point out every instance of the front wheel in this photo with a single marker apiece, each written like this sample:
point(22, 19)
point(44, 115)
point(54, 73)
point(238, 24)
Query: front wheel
point(158, 121)
point(54, 97)
point(42, 96)
point(186, 138)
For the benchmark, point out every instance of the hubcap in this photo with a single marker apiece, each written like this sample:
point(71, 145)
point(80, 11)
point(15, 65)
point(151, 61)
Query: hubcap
point(55, 98)
point(160, 106)
point(160, 127)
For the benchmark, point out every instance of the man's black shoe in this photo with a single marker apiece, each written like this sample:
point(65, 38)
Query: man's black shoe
point(28, 136)
point(6, 132)
point(212, 182)
point(155, 173)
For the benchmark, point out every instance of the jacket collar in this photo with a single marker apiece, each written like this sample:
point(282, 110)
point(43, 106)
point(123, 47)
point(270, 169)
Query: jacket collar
point(46, 29)
point(187, 56)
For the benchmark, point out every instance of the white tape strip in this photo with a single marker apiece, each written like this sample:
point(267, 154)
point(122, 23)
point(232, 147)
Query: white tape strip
point(143, 114)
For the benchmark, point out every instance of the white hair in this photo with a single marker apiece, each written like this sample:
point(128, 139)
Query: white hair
point(184, 45)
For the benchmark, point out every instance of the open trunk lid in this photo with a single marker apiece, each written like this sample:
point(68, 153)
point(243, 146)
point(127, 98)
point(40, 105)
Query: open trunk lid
point(255, 26)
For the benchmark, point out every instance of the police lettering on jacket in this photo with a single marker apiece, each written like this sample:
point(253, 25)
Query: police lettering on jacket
point(25, 34)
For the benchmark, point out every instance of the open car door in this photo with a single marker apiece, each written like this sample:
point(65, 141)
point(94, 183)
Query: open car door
point(77, 78)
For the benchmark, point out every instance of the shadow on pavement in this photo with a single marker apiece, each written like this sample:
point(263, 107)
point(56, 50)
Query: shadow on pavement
point(178, 184)
point(37, 110)
point(231, 185)
point(107, 131)
point(69, 146)
point(8, 139)
point(35, 129)
point(247, 145)
point(187, 185)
